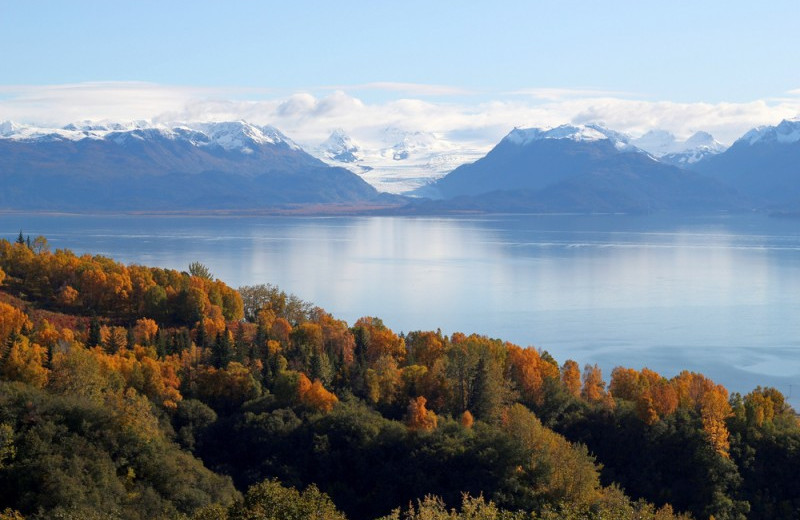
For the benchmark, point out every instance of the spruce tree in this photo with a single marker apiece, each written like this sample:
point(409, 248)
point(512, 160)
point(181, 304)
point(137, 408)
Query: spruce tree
point(222, 350)
point(201, 338)
point(93, 338)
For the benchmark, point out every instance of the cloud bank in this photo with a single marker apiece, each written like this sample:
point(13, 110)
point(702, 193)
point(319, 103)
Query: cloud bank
point(476, 119)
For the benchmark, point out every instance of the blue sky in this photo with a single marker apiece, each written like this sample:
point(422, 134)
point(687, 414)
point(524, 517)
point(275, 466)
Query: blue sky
point(579, 58)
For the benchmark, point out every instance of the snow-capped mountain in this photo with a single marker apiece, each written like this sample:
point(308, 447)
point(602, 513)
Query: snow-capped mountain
point(339, 148)
point(138, 165)
point(582, 133)
point(657, 142)
point(397, 160)
point(231, 136)
point(664, 144)
point(764, 163)
point(698, 147)
point(576, 168)
point(787, 132)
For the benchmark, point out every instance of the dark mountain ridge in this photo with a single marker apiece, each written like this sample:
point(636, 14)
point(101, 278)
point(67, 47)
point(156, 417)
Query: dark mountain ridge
point(763, 164)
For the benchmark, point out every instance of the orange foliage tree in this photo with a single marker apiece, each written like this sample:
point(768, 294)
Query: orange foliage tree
point(314, 395)
point(593, 385)
point(571, 377)
point(380, 340)
point(418, 417)
point(529, 371)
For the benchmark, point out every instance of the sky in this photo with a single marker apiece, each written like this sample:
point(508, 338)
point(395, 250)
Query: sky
point(468, 71)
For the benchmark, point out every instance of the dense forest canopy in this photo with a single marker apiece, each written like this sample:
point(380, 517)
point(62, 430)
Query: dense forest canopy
point(135, 392)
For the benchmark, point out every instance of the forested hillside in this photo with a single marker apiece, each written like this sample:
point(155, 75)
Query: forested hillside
point(132, 392)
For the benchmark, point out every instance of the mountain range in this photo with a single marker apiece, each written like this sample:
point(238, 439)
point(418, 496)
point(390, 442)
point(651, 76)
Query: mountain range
point(240, 166)
point(764, 163)
point(584, 168)
point(142, 167)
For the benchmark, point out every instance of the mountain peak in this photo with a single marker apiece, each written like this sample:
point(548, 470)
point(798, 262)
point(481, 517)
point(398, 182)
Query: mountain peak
point(578, 133)
point(8, 128)
point(786, 132)
point(241, 135)
point(340, 147)
point(703, 141)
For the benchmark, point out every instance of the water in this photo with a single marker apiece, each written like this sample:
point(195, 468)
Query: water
point(719, 294)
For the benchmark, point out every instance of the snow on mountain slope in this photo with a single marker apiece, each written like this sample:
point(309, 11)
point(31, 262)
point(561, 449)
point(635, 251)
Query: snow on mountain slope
point(660, 143)
point(699, 146)
point(586, 133)
point(788, 131)
point(397, 160)
point(234, 135)
point(339, 147)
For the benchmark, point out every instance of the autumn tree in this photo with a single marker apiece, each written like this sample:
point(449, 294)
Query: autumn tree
point(529, 371)
point(379, 340)
point(593, 385)
point(25, 361)
point(145, 330)
point(418, 417)
point(467, 420)
point(12, 322)
point(425, 348)
point(571, 377)
point(314, 395)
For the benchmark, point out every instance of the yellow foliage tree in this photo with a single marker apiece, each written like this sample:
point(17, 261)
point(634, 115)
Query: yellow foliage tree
point(67, 296)
point(714, 409)
point(25, 362)
point(145, 330)
point(47, 335)
point(12, 321)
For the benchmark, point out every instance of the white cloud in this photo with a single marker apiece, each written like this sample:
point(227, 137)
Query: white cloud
point(308, 118)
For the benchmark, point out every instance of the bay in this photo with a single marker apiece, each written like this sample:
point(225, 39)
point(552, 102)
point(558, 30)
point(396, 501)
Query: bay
point(717, 294)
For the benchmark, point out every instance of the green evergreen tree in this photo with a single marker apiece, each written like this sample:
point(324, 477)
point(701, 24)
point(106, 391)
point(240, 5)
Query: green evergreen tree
point(201, 337)
point(130, 339)
point(93, 338)
point(320, 368)
point(222, 350)
point(239, 344)
point(487, 390)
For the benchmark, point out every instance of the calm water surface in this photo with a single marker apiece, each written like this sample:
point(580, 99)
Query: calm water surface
point(719, 295)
